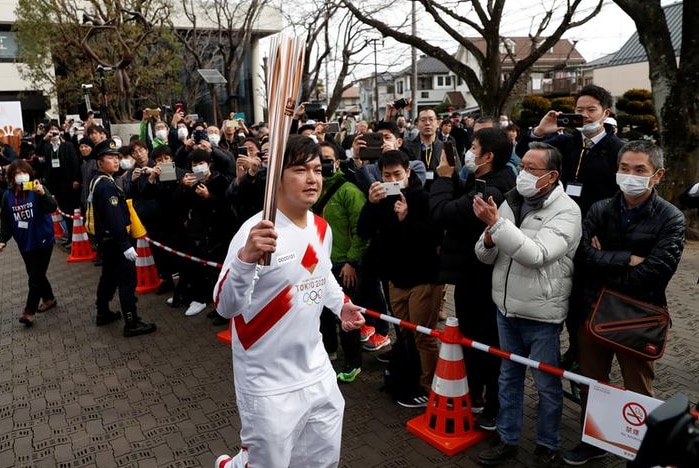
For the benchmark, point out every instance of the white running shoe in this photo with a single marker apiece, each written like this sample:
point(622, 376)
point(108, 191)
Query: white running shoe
point(239, 461)
point(194, 308)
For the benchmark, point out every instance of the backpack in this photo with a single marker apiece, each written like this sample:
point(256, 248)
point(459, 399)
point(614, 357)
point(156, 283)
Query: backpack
point(89, 211)
point(402, 376)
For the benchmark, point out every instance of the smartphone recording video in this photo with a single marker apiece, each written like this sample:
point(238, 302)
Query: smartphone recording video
point(392, 188)
point(569, 120)
point(372, 150)
point(480, 189)
point(449, 153)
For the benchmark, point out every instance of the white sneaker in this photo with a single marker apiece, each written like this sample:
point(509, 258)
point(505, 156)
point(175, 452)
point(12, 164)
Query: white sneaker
point(194, 308)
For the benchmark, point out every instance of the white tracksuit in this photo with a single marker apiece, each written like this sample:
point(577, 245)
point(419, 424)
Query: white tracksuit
point(289, 402)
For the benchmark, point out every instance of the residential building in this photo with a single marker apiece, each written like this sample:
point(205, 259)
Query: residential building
point(367, 93)
point(350, 102)
point(550, 68)
point(628, 67)
point(435, 84)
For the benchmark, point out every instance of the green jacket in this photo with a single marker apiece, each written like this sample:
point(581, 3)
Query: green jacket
point(342, 212)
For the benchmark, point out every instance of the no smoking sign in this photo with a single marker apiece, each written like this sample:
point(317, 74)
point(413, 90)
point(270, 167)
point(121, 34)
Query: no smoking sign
point(634, 414)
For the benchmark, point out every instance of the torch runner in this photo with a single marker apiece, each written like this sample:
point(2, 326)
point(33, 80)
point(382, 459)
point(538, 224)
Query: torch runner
point(283, 84)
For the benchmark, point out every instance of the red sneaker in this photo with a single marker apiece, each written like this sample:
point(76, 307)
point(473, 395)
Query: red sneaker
point(366, 332)
point(376, 342)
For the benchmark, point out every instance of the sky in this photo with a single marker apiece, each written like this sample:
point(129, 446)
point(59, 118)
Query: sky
point(602, 35)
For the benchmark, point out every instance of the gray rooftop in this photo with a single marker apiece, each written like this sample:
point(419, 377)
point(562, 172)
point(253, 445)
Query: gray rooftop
point(427, 66)
point(633, 52)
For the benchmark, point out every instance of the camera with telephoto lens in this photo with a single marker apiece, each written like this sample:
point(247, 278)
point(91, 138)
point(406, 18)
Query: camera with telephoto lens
point(672, 438)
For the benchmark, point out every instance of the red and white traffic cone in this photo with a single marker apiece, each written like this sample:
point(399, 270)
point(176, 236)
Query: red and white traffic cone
point(58, 230)
point(448, 422)
point(147, 279)
point(80, 249)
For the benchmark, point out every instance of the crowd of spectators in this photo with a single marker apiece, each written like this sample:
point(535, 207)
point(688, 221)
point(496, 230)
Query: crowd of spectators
point(510, 196)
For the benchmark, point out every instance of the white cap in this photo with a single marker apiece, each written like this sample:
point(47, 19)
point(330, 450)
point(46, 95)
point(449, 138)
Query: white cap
point(310, 122)
point(610, 121)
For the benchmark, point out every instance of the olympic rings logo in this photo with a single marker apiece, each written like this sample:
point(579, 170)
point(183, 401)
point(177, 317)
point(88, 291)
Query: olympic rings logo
point(312, 297)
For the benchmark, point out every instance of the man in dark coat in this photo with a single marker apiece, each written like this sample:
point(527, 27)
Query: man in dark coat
point(451, 206)
point(112, 223)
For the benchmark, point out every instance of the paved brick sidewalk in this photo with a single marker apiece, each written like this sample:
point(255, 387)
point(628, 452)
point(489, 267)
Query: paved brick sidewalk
point(74, 395)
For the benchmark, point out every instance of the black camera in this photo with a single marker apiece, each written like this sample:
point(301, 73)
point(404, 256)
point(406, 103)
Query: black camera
point(315, 111)
point(26, 147)
point(400, 103)
point(54, 133)
point(672, 437)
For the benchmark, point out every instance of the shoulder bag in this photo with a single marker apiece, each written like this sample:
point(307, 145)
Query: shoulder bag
point(629, 326)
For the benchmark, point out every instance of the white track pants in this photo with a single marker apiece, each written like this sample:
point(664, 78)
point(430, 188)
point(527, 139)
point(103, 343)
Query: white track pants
point(299, 429)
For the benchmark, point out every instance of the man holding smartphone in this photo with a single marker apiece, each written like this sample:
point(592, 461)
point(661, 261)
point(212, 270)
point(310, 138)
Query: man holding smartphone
point(451, 206)
point(589, 174)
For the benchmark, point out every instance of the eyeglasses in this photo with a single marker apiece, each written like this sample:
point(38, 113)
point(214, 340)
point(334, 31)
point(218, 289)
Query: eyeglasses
point(427, 119)
point(530, 169)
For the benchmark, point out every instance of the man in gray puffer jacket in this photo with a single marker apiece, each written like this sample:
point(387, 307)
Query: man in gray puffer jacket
point(531, 240)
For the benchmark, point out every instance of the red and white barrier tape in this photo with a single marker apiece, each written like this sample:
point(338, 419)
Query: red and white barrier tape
point(486, 348)
point(183, 255)
point(418, 328)
point(67, 215)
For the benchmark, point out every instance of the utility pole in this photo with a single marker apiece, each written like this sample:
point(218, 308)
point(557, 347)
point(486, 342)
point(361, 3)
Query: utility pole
point(376, 79)
point(413, 68)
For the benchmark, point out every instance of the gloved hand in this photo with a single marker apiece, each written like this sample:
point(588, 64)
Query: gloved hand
point(131, 254)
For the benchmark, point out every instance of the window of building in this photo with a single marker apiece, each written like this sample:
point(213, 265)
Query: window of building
point(8, 46)
point(424, 94)
point(444, 81)
point(399, 87)
point(424, 82)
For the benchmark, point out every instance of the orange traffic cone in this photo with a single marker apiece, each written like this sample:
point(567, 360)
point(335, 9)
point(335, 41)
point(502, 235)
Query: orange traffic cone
point(448, 421)
point(147, 279)
point(58, 231)
point(80, 249)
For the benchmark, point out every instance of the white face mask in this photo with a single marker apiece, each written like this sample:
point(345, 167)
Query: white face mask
point(200, 169)
point(126, 164)
point(470, 162)
point(214, 139)
point(182, 133)
point(161, 135)
point(21, 178)
point(526, 184)
point(633, 185)
point(590, 128)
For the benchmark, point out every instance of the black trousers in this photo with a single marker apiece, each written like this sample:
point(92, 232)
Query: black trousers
point(36, 263)
point(478, 320)
point(117, 272)
point(350, 341)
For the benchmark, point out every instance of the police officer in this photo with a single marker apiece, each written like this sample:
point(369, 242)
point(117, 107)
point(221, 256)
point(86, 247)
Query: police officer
point(112, 221)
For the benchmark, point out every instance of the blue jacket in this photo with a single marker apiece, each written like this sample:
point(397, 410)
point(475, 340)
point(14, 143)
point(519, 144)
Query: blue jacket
point(26, 217)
